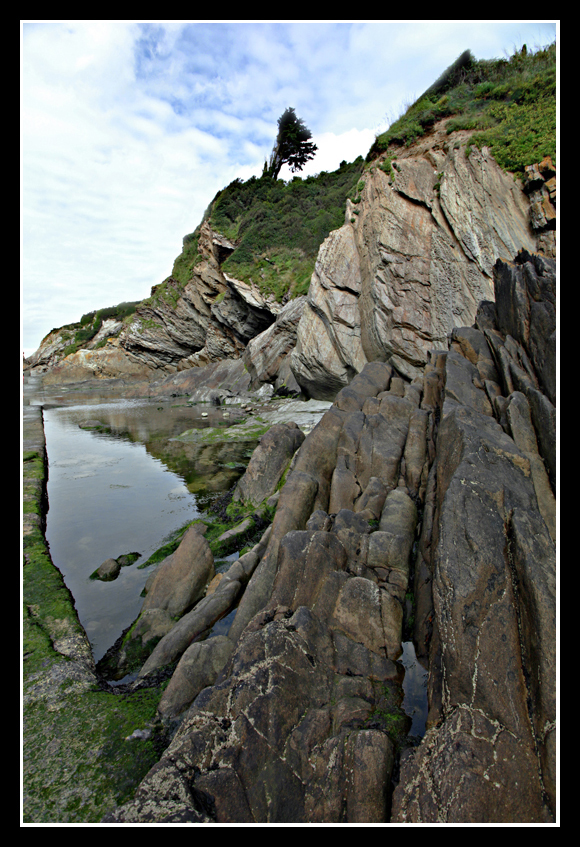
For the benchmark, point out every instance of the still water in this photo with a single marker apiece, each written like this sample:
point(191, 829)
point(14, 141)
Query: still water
point(415, 681)
point(109, 495)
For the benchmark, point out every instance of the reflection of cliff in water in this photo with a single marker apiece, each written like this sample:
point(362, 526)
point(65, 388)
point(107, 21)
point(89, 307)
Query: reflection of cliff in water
point(122, 487)
point(206, 468)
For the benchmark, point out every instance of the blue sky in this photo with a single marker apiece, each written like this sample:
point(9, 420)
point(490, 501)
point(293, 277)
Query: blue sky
point(129, 128)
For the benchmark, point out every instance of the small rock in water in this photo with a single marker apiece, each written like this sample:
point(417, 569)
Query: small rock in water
point(108, 570)
point(204, 414)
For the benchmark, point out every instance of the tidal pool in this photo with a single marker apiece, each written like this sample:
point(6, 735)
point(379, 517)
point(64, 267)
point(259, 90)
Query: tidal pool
point(110, 494)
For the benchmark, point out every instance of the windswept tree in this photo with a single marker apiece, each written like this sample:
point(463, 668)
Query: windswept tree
point(292, 144)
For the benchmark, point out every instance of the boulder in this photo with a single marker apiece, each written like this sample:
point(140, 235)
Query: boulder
point(181, 579)
point(109, 570)
point(268, 464)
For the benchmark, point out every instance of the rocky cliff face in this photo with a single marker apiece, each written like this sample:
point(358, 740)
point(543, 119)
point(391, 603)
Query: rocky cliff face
point(438, 489)
point(422, 507)
point(211, 318)
point(413, 260)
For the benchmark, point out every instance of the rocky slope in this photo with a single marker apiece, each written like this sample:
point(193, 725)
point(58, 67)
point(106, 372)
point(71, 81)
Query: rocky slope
point(437, 488)
point(413, 259)
point(422, 507)
point(212, 318)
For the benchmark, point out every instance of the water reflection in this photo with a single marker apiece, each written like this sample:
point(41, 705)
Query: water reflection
point(415, 688)
point(122, 489)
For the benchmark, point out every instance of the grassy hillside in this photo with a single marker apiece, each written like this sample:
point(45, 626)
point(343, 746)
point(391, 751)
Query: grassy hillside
point(510, 103)
point(277, 227)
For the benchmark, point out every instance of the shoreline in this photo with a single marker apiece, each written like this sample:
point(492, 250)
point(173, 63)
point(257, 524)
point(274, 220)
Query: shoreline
point(77, 763)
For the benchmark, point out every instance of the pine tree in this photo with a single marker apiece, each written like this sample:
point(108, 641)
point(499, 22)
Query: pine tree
point(292, 144)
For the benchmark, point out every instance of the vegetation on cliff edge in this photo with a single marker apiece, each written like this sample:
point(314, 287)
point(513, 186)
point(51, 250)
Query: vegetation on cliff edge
point(91, 322)
point(277, 227)
point(510, 104)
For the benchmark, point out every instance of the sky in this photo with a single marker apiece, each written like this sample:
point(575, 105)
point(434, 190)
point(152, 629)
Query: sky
point(130, 128)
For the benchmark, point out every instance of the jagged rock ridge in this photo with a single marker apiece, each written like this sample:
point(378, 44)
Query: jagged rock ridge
point(299, 725)
point(434, 473)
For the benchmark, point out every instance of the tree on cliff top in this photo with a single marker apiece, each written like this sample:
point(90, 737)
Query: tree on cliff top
point(292, 144)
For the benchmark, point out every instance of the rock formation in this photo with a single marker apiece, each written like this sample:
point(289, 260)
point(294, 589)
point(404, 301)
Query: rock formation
point(440, 486)
point(211, 318)
point(413, 260)
point(422, 506)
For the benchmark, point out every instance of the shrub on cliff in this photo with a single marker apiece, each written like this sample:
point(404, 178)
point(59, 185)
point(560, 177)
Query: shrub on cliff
point(277, 227)
point(510, 103)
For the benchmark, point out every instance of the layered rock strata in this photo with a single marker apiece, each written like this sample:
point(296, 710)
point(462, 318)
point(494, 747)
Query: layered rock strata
point(413, 260)
point(211, 318)
point(434, 485)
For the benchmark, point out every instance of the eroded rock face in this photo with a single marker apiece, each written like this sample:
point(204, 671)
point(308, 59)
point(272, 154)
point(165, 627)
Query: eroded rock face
point(414, 260)
point(212, 318)
point(431, 484)
point(488, 537)
point(328, 350)
point(427, 254)
point(266, 355)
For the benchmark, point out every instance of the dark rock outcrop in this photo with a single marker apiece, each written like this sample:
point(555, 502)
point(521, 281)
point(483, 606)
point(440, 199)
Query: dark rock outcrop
point(437, 486)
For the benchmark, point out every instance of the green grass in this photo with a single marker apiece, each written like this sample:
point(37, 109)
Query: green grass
point(76, 762)
point(509, 104)
point(276, 227)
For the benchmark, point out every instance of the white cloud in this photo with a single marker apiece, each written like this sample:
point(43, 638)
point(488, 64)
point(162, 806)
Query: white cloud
point(129, 129)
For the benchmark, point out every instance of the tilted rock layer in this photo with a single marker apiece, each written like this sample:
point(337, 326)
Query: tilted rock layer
point(413, 260)
point(440, 485)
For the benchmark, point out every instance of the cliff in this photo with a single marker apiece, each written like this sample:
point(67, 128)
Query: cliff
point(421, 506)
point(420, 509)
